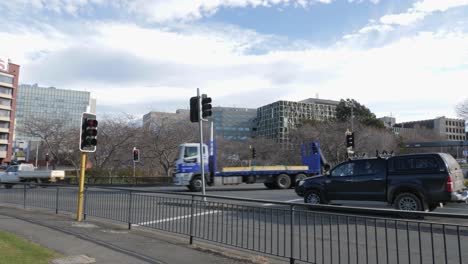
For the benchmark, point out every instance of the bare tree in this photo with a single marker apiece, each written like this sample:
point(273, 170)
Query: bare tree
point(331, 135)
point(116, 137)
point(462, 109)
point(59, 140)
point(160, 142)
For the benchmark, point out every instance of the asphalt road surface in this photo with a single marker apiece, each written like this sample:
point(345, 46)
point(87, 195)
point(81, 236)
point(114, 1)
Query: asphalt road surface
point(314, 236)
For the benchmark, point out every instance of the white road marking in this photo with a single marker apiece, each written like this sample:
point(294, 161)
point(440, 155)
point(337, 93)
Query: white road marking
point(288, 201)
point(176, 218)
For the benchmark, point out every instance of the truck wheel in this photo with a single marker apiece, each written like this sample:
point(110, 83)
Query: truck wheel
point(196, 184)
point(269, 185)
point(314, 197)
point(408, 202)
point(299, 177)
point(283, 181)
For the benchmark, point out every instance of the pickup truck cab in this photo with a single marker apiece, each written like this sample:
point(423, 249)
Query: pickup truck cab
point(414, 182)
point(27, 173)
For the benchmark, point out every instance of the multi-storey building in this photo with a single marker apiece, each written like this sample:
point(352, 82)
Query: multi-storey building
point(158, 118)
point(9, 74)
point(234, 123)
point(66, 106)
point(275, 120)
point(449, 128)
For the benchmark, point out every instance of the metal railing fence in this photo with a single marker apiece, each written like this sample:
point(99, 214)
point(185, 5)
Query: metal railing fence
point(298, 232)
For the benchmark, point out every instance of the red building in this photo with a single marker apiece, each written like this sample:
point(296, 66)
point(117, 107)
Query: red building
point(9, 74)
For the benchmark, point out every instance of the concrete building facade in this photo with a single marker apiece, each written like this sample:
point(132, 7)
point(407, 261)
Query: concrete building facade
point(9, 76)
point(451, 129)
point(36, 102)
point(276, 120)
point(155, 118)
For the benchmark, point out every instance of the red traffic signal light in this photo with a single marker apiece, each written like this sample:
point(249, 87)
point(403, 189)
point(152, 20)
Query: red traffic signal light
point(88, 132)
point(136, 155)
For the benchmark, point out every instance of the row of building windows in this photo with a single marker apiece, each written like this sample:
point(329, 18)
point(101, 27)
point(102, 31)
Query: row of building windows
point(455, 130)
point(233, 128)
point(455, 123)
point(455, 137)
point(6, 79)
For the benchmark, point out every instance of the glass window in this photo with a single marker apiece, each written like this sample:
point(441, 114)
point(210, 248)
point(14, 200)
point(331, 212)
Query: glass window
point(190, 152)
point(4, 113)
point(346, 169)
point(4, 90)
point(6, 79)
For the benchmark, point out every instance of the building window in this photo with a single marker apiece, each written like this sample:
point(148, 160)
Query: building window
point(4, 90)
point(4, 113)
point(6, 79)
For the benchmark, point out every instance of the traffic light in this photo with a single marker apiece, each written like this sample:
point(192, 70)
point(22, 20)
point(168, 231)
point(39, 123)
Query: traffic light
point(350, 140)
point(136, 155)
point(88, 132)
point(254, 153)
point(194, 110)
point(206, 106)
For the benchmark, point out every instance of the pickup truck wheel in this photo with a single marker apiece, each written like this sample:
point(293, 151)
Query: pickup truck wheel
point(283, 181)
point(314, 197)
point(408, 202)
point(196, 184)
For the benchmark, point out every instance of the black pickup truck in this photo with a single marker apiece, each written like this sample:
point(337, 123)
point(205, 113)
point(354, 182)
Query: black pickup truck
point(417, 182)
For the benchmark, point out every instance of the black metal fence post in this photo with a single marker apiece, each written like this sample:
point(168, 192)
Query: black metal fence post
point(192, 219)
point(130, 210)
point(56, 200)
point(291, 259)
point(24, 196)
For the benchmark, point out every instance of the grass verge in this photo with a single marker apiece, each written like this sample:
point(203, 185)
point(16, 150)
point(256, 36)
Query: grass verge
point(14, 249)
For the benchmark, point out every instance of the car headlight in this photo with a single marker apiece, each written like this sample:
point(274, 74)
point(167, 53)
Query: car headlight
point(300, 183)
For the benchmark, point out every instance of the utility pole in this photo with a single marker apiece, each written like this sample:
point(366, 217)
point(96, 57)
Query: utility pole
point(200, 129)
point(37, 152)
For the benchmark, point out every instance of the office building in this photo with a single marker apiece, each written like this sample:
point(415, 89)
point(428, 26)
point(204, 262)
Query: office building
point(38, 103)
point(234, 123)
point(9, 74)
point(450, 129)
point(154, 118)
point(276, 120)
point(388, 121)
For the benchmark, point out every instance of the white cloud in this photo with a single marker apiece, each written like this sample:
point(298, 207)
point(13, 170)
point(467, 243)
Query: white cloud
point(125, 63)
point(403, 19)
point(150, 10)
point(416, 13)
point(430, 6)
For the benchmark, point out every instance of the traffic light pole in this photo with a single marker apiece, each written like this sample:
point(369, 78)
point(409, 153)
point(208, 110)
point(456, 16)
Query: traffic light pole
point(79, 214)
point(200, 128)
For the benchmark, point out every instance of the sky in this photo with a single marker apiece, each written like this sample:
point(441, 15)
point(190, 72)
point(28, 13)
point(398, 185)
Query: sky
point(407, 59)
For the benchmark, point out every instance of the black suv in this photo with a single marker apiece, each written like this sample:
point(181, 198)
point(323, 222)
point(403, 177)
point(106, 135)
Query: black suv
point(410, 182)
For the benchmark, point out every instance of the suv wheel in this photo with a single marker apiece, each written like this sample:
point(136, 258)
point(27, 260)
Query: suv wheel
point(408, 202)
point(313, 197)
point(283, 181)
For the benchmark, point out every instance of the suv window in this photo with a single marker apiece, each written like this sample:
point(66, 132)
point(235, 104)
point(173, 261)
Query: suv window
point(346, 169)
point(416, 163)
point(366, 167)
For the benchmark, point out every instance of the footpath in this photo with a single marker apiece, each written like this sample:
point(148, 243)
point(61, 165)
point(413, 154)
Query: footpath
point(96, 241)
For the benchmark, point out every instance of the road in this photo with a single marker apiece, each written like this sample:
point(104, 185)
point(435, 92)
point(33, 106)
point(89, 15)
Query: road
point(315, 236)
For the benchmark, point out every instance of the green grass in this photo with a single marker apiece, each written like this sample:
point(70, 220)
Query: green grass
point(17, 250)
